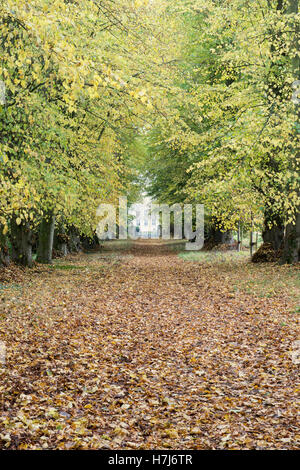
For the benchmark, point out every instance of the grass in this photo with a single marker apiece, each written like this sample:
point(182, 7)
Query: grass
point(265, 280)
point(97, 261)
point(213, 257)
point(76, 267)
point(116, 245)
point(10, 286)
point(66, 267)
point(270, 280)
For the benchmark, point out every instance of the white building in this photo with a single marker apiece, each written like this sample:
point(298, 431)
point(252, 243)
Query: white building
point(143, 223)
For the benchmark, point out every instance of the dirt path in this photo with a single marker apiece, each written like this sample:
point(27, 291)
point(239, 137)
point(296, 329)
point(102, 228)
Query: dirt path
point(140, 349)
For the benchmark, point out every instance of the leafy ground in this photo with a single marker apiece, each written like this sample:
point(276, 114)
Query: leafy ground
point(139, 348)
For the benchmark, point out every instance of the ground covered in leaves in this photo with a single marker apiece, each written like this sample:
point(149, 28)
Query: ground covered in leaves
point(136, 347)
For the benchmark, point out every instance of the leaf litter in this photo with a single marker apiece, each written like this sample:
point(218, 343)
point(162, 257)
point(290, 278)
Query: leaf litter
point(148, 352)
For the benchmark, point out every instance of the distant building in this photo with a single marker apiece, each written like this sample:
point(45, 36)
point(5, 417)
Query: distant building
point(146, 224)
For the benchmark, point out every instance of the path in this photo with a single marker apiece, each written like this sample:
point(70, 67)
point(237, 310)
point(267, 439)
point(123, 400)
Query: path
point(141, 349)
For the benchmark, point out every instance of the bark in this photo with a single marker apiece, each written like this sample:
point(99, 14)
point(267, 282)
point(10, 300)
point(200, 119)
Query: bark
point(220, 237)
point(45, 243)
point(64, 249)
point(61, 240)
point(4, 251)
point(273, 231)
point(21, 241)
point(74, 243)
point(274, 236)
point(4, 256)
point(239, 243)
point(291, 250)
point(251, 243)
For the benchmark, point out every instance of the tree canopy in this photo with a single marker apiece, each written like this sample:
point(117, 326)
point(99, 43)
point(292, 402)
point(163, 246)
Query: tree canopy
point(194, 96)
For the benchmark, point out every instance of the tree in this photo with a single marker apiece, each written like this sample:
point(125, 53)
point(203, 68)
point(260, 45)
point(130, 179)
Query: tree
point(80, 78)
point(239, 125)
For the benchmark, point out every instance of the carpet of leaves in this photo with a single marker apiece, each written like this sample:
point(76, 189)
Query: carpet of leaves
point(139, 349)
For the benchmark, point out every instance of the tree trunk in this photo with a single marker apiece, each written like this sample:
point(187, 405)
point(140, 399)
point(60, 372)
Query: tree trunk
point(251, 243)
point(21, 241)
point(4, 251)
point(220, 237)
point(273, 231)
point(291, 250)
point(74, 243)
point(45, 243)
point(61, 240)
point(274, 236)
point(239, 237)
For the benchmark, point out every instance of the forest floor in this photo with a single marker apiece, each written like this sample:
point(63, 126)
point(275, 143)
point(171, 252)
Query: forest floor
point(145, 346)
